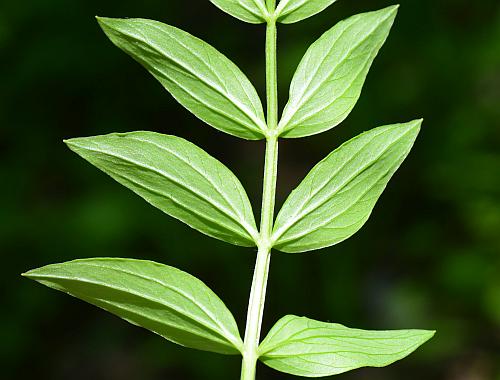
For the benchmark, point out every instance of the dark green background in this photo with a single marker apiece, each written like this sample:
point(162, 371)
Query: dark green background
point(428, 257)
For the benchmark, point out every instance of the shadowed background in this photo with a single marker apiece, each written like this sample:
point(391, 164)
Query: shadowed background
point(427, 258)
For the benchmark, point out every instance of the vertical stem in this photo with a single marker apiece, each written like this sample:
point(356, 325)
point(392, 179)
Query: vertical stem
point(259, 283)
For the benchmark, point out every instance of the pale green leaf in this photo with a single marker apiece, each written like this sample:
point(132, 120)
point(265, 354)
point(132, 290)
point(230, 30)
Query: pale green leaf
point(309, 348)
point(290, 11)
point(329, 79)
point(177, 177)
point(163, 299)
point(252, 11)
point(197, 75)
point(338, 195)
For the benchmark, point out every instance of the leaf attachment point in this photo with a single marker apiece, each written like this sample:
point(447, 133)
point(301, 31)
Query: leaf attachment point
point(309, 348)
point(339, 193)
point(157, 297)
point(178, 178)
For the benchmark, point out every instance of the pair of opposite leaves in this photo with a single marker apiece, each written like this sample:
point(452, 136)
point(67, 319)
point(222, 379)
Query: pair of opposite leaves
point(287, 12)
point(331, 203)
point(336, 197)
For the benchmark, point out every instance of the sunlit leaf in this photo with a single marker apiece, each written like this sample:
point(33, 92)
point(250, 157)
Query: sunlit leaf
point(309, 348)
point(290, 11)
point(329, 79)
point(165, 300)
point(338, 195)
point(197, 75)
point(252, 11)
point(177, 177)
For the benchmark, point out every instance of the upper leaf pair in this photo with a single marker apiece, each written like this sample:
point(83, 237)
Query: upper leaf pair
point(287, 12)
point(324, 89)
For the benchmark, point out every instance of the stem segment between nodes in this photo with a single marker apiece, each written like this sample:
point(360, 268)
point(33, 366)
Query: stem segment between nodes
point(259, 283)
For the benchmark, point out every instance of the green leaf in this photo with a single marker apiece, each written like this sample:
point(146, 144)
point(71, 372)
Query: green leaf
point(252, 11)
point(163, 299)
point(329, 79)
point(197, 75)
point(177, 177)
point(305, 347)
point(338, 195)
point(290, 11)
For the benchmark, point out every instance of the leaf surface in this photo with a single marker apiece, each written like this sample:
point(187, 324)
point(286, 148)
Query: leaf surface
point(339, 193)
point(177, 177)
point(252, 11)
point(197, 75)
point(290, 11)
point(329, 79)
point(305, 347)
point(163, 299)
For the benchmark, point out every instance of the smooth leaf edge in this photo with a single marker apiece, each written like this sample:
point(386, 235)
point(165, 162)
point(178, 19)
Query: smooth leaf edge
point(233, 341)
point(260, 129)
point(259, 18)
point(287, 18)
point(284, 130)
point(416, 123)
point(251, 229)
point(262, 350)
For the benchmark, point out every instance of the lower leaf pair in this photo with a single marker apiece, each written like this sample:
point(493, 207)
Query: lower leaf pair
point(182, 309)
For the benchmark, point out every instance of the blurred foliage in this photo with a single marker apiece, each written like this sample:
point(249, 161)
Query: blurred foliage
point(428, 258)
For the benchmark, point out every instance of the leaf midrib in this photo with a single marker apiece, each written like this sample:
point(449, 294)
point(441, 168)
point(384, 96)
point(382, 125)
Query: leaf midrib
point(308, 94)
point(237, 216)
point(258, 124)
point(329, 220)
point(209, 326)
point(180, 184)
point(173, 288)
point(299, 215)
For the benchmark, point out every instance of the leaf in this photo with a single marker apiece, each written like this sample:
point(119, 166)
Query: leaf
point(252, 11)
point(290, 11)
point(163, 299)
point(338, 195)
point(197, 75)
point(305, 347)
point(177, 177)
point(329, 79)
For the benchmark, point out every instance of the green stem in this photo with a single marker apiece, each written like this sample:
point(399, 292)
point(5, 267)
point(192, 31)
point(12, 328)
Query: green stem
point(259, 283)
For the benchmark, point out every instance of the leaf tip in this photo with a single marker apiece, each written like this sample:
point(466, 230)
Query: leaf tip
point(31, 274)
point(70, 143)
point(102, 20)
point(105, 23)
point(430, 333)
point(393, 8)
point(391, 11)
point(418, 122)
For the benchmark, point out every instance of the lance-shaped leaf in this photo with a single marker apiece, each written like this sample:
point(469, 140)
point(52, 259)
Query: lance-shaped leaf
point(163, 299)
point(290, 11)
point(305, 347)
point(177, 177)
point(197, 75)
point(338, 195)
point(252, 11)
point(329, 79)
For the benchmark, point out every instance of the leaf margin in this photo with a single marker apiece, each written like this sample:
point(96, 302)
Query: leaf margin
point(287, 319)
point(233, 341)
